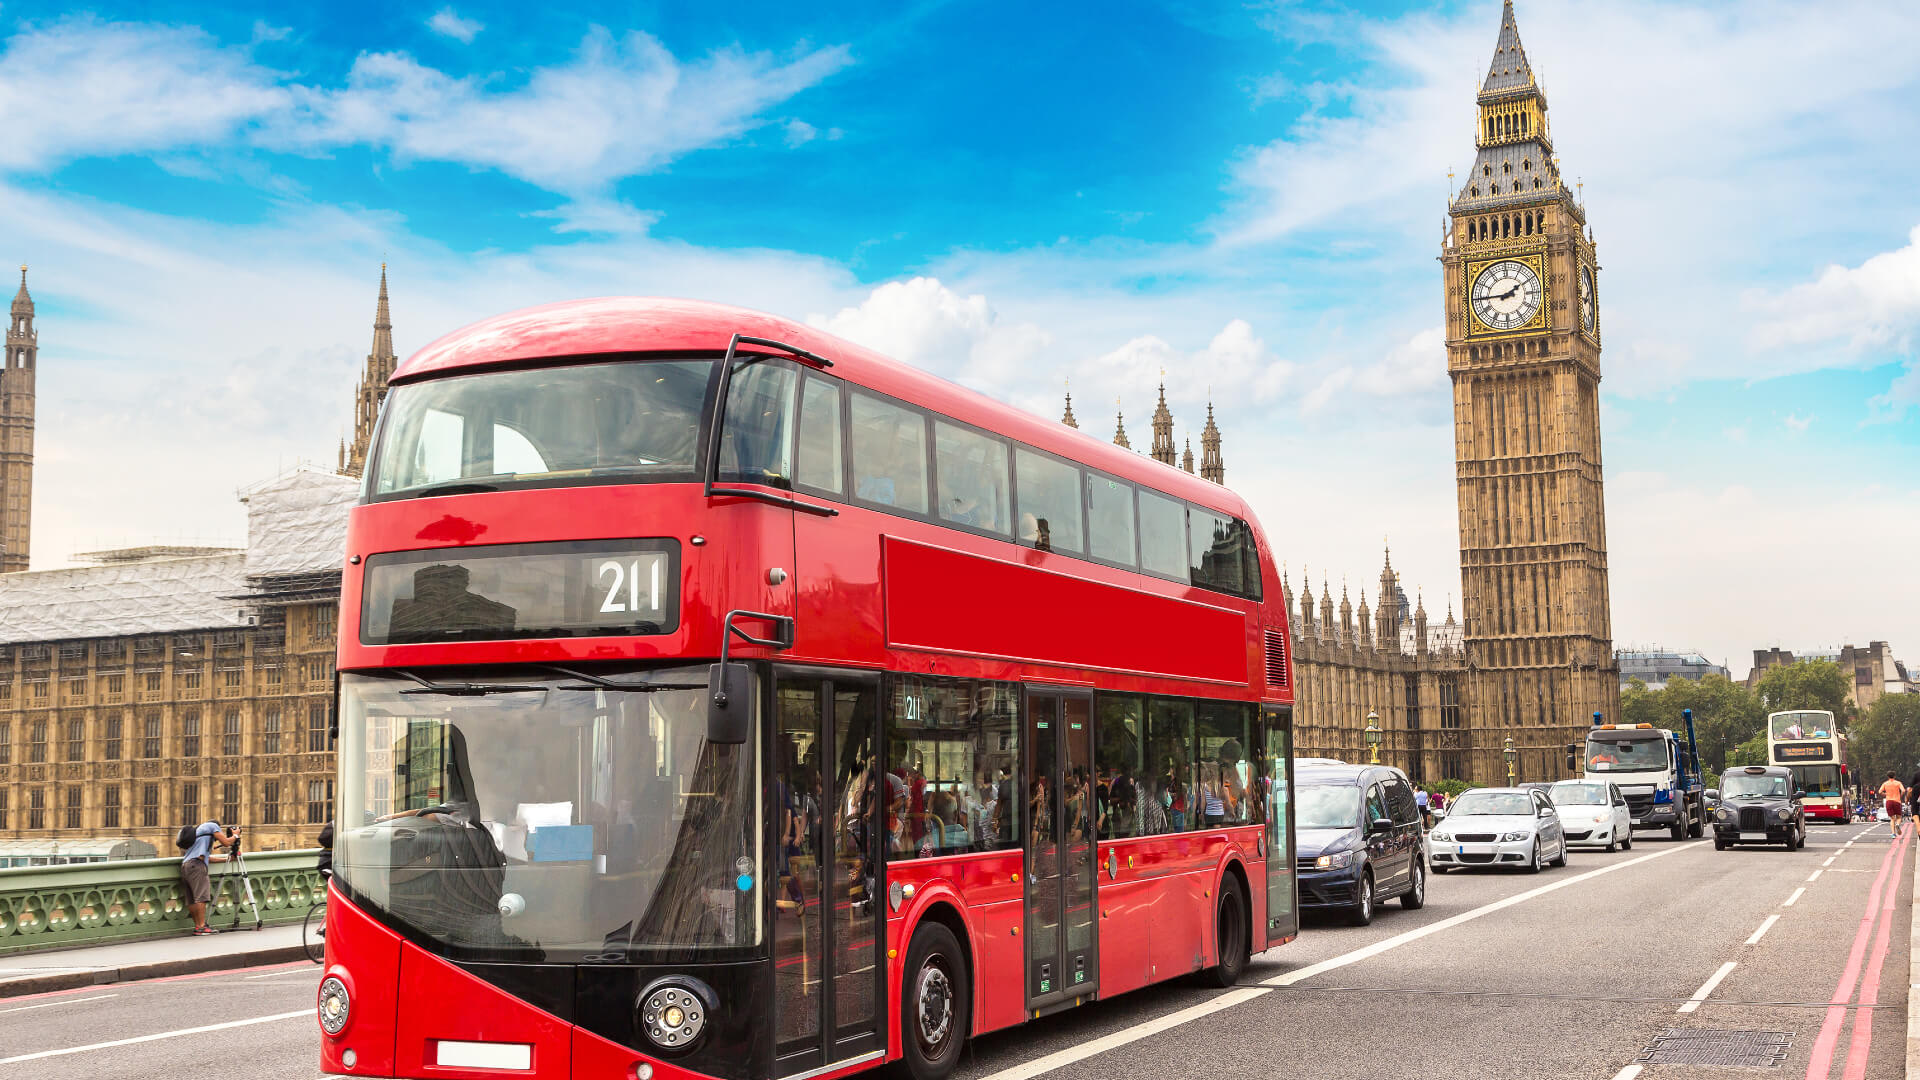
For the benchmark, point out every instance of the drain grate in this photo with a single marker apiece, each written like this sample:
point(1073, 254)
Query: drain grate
point(1702, 1046)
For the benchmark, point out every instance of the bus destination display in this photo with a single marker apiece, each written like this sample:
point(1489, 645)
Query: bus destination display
point(1803, 752)
point(597, 588)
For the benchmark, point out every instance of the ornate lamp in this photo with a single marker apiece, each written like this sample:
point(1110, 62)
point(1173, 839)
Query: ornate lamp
point(1511, 755)
point(1373, 735)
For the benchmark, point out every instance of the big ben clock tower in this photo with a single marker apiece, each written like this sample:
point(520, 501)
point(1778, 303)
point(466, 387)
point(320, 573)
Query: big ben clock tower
point(1523, 349)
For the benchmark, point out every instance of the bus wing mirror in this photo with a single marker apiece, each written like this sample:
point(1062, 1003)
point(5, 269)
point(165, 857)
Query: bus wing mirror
point(729, 703)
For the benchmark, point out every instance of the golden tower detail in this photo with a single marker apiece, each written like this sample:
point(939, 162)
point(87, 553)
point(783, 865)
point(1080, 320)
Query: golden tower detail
point(1523, 351)
point(16, 431)
point(373, 385)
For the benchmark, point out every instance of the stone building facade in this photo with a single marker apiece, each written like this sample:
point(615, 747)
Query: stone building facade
point(16, 431)
point(163, 686)
point(1871, 669)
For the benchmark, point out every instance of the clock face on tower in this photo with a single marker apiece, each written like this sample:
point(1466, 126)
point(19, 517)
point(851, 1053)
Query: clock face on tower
point(1586, 299)
point(1505, 295)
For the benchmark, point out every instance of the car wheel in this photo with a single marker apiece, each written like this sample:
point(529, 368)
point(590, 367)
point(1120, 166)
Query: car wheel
point(1415, 897)
point(1362, 913)
point(1561, 859)
point(1534, 863)
point(1719, 842)
point(934, 1002)
point(1613, 843)
point(1231, 936)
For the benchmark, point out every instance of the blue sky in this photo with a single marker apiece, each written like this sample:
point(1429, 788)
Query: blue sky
point(1250, 196)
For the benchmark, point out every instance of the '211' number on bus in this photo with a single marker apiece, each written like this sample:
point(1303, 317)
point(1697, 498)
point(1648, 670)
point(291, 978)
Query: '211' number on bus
point(628, 574)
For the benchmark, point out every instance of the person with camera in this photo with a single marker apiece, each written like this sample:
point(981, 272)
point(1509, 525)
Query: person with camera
point(193, 868)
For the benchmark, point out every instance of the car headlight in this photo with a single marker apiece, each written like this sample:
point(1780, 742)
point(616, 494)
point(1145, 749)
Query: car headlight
point(1338, 861)
point(1720, 814)
point(1441, 837)
point(1602, 819)
point(1783, 813)
point(1513, 837)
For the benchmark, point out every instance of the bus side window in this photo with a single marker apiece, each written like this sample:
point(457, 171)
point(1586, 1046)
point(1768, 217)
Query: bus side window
point(756, 447)
point(889, 454)
point(972, 477)
point(1163, 535)
point(819, 459)
point(1216, 545)
point(1050, 503)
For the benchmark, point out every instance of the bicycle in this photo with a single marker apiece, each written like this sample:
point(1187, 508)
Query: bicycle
point(313, 933)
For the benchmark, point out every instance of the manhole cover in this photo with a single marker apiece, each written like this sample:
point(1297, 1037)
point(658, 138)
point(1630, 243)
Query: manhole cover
point(1700, 1046)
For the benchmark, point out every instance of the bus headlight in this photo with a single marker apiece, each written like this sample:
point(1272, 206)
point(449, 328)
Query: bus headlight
point(674, 1012)
point(335, 1006)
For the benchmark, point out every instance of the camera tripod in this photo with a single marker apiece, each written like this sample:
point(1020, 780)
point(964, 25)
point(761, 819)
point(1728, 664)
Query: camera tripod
point(237, 863)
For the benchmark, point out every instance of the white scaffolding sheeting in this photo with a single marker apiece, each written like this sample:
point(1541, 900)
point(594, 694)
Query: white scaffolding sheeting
point(297, 524)
point(155, 597)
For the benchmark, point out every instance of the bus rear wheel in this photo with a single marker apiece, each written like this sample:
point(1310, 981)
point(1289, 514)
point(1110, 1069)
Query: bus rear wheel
point(1230, 936)
point(935, 1001)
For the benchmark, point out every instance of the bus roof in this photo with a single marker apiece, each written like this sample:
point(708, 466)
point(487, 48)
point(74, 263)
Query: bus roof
point(620, 324)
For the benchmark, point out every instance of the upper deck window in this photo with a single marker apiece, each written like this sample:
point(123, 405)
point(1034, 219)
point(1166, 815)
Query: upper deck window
point(1163, 535)
point(889, 454)
point(1049, 503)
point(625, 422)
point(973, 477)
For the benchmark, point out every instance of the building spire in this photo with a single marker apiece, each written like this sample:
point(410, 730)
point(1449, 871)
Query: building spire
point(1067, 417)
point(1163, 451)
point(1120, 427)
point(1186, 462)
point(373, 383)
point(1212, 466)
point(1510, 69)
point(22, 302)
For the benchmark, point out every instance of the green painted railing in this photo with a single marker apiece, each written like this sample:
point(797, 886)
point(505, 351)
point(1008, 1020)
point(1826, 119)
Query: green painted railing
point(53, 907)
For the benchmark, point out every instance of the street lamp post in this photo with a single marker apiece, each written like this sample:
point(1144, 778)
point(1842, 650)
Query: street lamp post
point(1511, 755)
point(1373, 735)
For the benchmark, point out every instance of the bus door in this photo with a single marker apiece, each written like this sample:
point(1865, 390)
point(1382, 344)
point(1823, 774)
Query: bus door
point(825, 801)
point(1283, 913)
point(1063, 955)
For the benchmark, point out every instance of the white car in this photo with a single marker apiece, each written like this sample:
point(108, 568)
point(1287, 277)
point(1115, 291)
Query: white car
point(1498, 827)
point(1593, 812)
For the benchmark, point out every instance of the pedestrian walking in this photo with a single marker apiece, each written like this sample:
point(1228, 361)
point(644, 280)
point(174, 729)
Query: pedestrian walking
point(193, 870)
point(1423, 800)
point(1895, 794)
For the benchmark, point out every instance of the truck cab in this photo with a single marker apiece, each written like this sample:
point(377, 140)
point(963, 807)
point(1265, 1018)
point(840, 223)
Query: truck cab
point(1655, 770)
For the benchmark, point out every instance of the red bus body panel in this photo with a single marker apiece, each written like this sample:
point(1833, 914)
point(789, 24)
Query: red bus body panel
point(867, 590)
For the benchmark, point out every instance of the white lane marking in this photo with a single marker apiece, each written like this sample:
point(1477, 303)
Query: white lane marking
point(1398, 940)
point(1815, 876)
point(289, 971)
point(1706, 988)
point(1627, 1073)
point(51, 1004)
point(1765, 926)
point(156, 1037)
point(1796, 895)
point(1061, 1058)
point(1829, 861)
point(1038, 1066)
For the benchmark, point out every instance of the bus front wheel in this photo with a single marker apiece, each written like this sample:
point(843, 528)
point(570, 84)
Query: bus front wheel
point(1231, 936)
point(934, 1003)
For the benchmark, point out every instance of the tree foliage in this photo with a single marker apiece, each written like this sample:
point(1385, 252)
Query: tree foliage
point(1809, 684)
point(1725, 714)
point(1887, 739)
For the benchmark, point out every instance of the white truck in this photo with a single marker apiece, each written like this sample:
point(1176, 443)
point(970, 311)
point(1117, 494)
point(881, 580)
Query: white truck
point(1656, 770)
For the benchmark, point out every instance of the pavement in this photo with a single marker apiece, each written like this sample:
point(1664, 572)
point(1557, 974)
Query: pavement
point(149, 958)
point(1575, 973)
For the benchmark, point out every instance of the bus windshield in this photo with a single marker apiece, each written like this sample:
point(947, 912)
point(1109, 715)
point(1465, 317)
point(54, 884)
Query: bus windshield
point(516, 819)
point(1802, 725)
point(626, 422)
point(1627, 755)
point(1819, 781)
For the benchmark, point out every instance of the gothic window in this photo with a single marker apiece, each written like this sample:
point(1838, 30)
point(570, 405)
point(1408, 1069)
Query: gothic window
point(1474, 191)
point(1536, 183)
point(1506, 168)
point(1526, 163)
point(1486, 170)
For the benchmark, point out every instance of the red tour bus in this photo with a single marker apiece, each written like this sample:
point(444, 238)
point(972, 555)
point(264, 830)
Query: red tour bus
point(722, 699)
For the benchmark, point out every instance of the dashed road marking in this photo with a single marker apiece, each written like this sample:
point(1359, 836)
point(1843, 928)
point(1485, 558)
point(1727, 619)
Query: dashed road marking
point(1627, 1073)
point(1706, 988)
point(155, 1037)
point(1815, 876)
point(1796, 895)
point(1765, 926)
point(51, 1004)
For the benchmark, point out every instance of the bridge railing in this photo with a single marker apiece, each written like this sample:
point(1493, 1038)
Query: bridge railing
point(52, 907)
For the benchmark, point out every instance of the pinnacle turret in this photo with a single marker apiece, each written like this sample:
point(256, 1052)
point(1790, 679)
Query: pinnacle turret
point(1067, 417)
point(1120, 430)
point(1163, 429)
point(1186, 462)
point(22, 301)
point(1212, 466)
point(373, 383)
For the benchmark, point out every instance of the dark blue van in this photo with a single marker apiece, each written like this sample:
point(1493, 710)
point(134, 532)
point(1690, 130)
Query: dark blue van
point(1359, 836)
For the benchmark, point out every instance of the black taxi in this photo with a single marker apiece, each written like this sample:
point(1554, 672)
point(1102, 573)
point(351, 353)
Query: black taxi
point(1759, 804)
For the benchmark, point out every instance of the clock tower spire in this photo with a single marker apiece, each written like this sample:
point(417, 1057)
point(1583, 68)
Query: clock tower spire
point(1523, 351)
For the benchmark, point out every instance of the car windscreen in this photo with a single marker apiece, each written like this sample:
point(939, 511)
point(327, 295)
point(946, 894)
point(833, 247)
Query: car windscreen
point(1743, 786)
point(1491, 803)
point(1578, 794)
point(1327, 806)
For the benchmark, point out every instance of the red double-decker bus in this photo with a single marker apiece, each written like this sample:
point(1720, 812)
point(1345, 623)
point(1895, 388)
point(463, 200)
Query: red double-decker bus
point(722, 699)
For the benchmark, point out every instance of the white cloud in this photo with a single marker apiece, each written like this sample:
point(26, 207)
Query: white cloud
point(83, 87)
point(607, 217)
point(1874, 305)
point(926, 324)
point(1796, 423)
point(621, 106)
point(447, 23)
point(799, 132)
point(264, 32)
